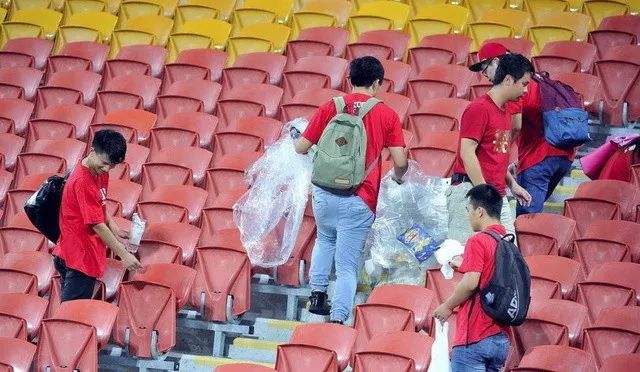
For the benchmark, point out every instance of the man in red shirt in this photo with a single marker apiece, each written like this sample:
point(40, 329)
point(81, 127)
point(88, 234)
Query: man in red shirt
point(485, 143)
point(343, 221)
point(480, 343)
point(86, 230)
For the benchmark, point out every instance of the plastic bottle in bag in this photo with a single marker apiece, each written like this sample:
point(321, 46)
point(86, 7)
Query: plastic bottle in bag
point(137, 230)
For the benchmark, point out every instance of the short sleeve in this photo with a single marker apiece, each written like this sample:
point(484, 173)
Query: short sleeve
point(473, 257)
point(319, 122)
point(90, 204)
point(514, 107)
point(474, 121)
point(394, 136)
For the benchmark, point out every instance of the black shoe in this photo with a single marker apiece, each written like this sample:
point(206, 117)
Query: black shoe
point(318, 303)
point(336, 321)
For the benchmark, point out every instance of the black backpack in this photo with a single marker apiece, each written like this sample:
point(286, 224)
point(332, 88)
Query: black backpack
point(507, 296)
point(43, 208)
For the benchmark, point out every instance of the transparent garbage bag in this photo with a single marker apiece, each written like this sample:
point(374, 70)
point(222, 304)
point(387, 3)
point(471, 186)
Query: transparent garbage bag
point(269, 214)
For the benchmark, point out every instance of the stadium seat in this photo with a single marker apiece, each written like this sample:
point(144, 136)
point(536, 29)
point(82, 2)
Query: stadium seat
point(157, 26)
point(318, 13)
point(181, 42)
point(436, 153)
point(155, 175)
point(16, 355)
point(438, 50)
point(545, 233)
point(141, 121)
point(14, 115)
point(317, 41)
point(478, 8)
point(37, 48)
point(305, 103)
point(130, 134)
point(112, 100)
point(218, 215)
point(202, 124)
point(16, 198)
point(587, 85)
point(618, 79)
point(248, 100)
point(126, 37)
point(206, 92)
point(565, 56)
point(68, 87)
point(139, 8)
point(314, 72)
point(607, 241)
point(441, 287)
point(178, 234)
point(132, 166)
point(399, 103)
point(620, 362)
point(126, 193)
point(18, 30)
point(136, 60)
point(103, 22)
point(48, 129)
point(230, 142)
point(437, 115)
point(168, 197)
point(264, 37)
point(270, 130)
point(19, 82)
point(396, 76)
point(628, 53)
point(437, 19)
point(613, 333)
point(79, 55)
point(83, 6)
point(396, 41)
point(71, 150)
point(216, 30)
point(600, 9)
point(48, 19)
point(100, 315)
point(29, 164)
point(558, 26)
point(591, 203)
point(195, 64)
point(6, 179)
point(244, 16)
point(191, 12)
point(417, 299)
point(549, 271)
point(604, 39)
point(395, 351)
point(440, 81)
point(10, 147)
point(320, 344)
point(194, 158)
point(170, 137)
point(480, 32)
point(539, 8)
point(69, 34)
point(229, 173)
point(378, 15)
point(556, 358)
point(14, 59)
point(79, 115)
point(37, 264)
point(24, 310)
point(142, 86)
point(146, 322)
point(261, 68)
point(152, 252)
point(522, 46)
point(608, 285)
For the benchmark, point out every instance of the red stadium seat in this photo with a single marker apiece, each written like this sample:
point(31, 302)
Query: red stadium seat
point(620, 362)
point(553, 276)
point(249, 100)
point(196, 62)
point(230, 142)
point(99, 314)
point(29, 164)
point(441, 287)
point(167, 137)
point(132, 59)
point(556, 358)
point(140, 120)
point(588, 86)
point(24, 79)
point(19, 239)
point(194, 158)
point(399, 103)
point(69, 87)
point(16, 355)
point(614, 332)
point(79, 115)
point(10, 147)
point(417, 299)
point(397, 41)
point(270, 130)
point(436, 153)
point(396, 76)
point(628, 53)
point(218, 215)
point(190, 91)
point(109, 101)
point(458, 45)
point(317, 41)
point(623, 23)
point(437, 115)
point(152, 252)
point(78, 53)
point(440, 81)
point(179, 234)
point(186, 197)
point(314, 72)
point(229, 173)
point(618, 79)
point(14, 115)
point(544, 233)
point(38, 48)
point(16, 198)
point(14, 59)
point(558, 57)
point(6, 179)
point(607, 241)
point(395, 351)
point(296, 269)
point(155, 175)
point(70, 149)
point(145, 87)
point(45, 129)
point(22, 309)
point(306, 102)
point(15, 281)
point(126, 193)
point(203, 124)
point(37, 264)
point(257, 68)
point(132, 167)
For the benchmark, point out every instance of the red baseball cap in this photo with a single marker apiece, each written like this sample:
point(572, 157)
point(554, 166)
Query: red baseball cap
point(487, 52)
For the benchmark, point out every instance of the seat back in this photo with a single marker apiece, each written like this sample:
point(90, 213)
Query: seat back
point(189, 197)
point(436, 153)
point(16, 355)
point(155, 175)
point(14, 115)
point(554, 269)
point(23, 306)
point(373, 319)
point(417, 299)
point(544, 234)
point(619, 363)
point(194, 158)
point(556, 357)
point(394, 351)
point(100, 315)
point(66, 343)
point(179, 234)
point(38, 264)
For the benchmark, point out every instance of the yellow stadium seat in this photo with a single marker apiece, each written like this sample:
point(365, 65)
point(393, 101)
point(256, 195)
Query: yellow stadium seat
point(169, 6)
point(418, 5)
point(224, 7)
point(185, 13)
point(479, 7)
point(437, 19)
point(158, 26)
point(67, 34)
point(379, 15)
point(538, 8)
point(3, 14)
point(481, 31)
point(215, 29)
point(28, 4)
point(340, 9)
point(634, 6)
point(125, 37)
point(579, 23)
point(518, 20)
point(134, 9)
point(243, 17)
point(83, 6)
point(48, 19)
point(104, 22)
point(575, 5)
point(598, 10)
point(281, 8)
point(179, 42)
point(245, 44)
point(267, 37)
point(304, 20)
point(16, 30)
point(113, 6)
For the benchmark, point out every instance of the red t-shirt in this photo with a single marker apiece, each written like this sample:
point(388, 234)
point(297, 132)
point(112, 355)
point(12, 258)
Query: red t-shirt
point(472, 323)
point(383, 130)
point(532, 147)
point(489, 125)
point(83, 205)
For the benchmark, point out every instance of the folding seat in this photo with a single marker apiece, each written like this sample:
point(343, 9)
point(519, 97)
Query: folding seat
point(281, 9)
point(388, 44)
point(37, 48)
point(618, 81)
point(138, 8)
point(614, 332)
point(189, 95)
point(437, 115)
point(48, 19)
point(126, 193)
point(19, 82)
point(16, 355)
point(143, 87)
point(623, 23)
point(157, 26)
point(628, 53)
point(607, 241)
point(615, 31)
point(398, 102)
point(79, 115)
point(218, 215)
point(243, 367)
point(69, 34)
point(396, 76)
point(521, 46)
point(249, 100)
point(619, 363)
point(194, 158)
point(71, 150)
point(16, 199)
point(317, 41)
point(156, 252)
point(378, 15)
point(319, 13)
point(222, 288)
point(558, 26)
point(436, 153)
point(140, 120)
point(83, 6)
point(48, 129)
point(18, 30)
point(216, 30)
point(539, 8)
point(37, 264)
point(553, 276)
point(181, 42)
point(395, 351)
point(440, 81)
point(136, 60)
point(437, 19)
point(167, 137)
point(244, 16)
point(146, 322)
point(173, 198)
point(518, 20)
point(306, 102)
point(196, 64)
point(79, 55)
point(229, 173)
point(565, 56)
point(10, 147)
point(177, 234)
point(545, 233)
point(320, 344)
point(264, 37)
point(598, 10)
point(254, 68)
point(586, 85)
point(315, 72)
point(14, 59)
point(591, 203)
point(6, 179)
point(28, 4)
point(21, 315)
point(30, 164)
point(556, 358)
point(103, 22)
point(203, 124)
point(127, 37)
point(75, 333)
point(608, 285)
point(438, 50)
point(191, 12)
point(14, 115)
point(69, 87)
point(131, 168)
point(268, 129)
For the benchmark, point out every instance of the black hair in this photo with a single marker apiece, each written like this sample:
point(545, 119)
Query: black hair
point(487, 197)
point(112, 143)
point(364, 71)
point(514, 65)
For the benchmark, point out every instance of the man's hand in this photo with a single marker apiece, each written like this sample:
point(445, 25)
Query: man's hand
point(122, 234)
point(456, 261)
point(443, 312)
point(522, 196)
point(130, 261)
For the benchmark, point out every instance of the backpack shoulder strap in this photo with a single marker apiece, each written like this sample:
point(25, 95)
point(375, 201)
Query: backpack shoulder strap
point(367, 106)
point(493, 234)
point(339, 103)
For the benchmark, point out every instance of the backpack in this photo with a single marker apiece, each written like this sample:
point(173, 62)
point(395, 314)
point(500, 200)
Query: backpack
point(339, 162)
point(566, 123)
point(43, 207)
point(507, 296)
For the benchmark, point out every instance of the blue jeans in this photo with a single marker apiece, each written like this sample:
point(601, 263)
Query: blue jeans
point(540, 180)
point(488, 355)
point(343, 224)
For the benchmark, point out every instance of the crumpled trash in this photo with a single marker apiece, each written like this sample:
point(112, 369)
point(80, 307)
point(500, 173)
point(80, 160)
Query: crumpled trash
point(447, 251)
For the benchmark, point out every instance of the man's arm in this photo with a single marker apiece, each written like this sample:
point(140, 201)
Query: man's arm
point(107, 236)
point(516, 125)
point(520, 193)
point(303, 145)
point(115, 229)
point(400, 163)
point(470, 161)
point(462, 292)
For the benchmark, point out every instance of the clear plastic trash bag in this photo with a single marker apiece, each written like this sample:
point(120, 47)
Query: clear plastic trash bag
point(269, 214)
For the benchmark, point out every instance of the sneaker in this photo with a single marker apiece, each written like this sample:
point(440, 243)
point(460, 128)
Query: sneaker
point(318, 303)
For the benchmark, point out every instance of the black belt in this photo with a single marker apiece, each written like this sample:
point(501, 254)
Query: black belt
point(458, 178)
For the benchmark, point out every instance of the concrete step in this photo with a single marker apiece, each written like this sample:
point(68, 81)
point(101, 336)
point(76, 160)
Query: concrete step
point(254, 350)
point(274, 329)
point(561, 193)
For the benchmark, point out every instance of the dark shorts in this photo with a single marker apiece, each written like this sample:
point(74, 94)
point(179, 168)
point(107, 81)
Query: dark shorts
point(74, 285)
